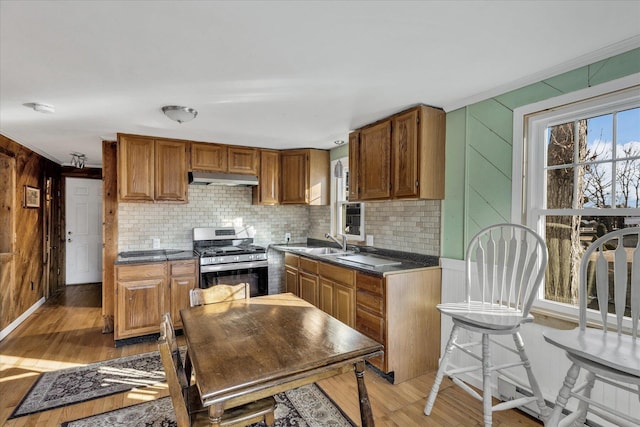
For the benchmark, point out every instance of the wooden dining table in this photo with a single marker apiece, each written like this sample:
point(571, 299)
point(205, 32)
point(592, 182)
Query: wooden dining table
point(246, 350)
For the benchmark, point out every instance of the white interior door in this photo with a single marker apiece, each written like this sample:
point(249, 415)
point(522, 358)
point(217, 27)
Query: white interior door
point(83, 206)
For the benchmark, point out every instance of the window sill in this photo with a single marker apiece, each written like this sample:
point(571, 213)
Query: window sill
point(553, 319)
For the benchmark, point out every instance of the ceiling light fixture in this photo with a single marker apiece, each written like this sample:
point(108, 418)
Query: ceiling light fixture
point(78, 160)
point(41, 108)
point(179, 114)
point(339, 141)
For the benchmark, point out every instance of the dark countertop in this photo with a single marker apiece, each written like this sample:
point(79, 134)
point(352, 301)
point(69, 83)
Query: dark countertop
point(154, 255)
point(408, 260)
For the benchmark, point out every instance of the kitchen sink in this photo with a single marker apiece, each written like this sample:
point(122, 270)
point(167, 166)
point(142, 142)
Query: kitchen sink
point(323, 251)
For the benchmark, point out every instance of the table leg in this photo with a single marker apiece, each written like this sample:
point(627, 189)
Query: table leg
point(366, 416)
point(215, 415)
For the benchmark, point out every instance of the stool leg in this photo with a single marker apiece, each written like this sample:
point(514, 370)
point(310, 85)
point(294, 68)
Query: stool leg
point(563, 395)
point(535, 388)
point(487, 404)
point(441, 370)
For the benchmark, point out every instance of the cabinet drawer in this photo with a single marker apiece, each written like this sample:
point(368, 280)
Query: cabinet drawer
point(309, 265)
point(371, 301)
point(337, 274)
point(182, 268)
point(141, 271)
point(370, 325)
point(370, 284)
point(291, 259)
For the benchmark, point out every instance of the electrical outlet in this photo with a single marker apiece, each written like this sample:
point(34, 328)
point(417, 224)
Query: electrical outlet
point(156, 243)
point(287, 237)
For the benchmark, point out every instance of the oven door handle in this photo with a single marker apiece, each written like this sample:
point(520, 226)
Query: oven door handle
point(233, 266)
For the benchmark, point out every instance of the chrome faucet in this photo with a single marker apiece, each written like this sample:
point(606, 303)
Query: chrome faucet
point(343, 244)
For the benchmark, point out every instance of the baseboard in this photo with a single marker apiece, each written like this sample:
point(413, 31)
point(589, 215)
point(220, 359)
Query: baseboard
point(6, 331)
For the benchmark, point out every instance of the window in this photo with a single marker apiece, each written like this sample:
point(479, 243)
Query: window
point(346, 217)
point(581, 179)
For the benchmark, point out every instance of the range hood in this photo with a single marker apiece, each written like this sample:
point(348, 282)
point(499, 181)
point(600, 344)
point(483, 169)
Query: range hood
point(214, 178)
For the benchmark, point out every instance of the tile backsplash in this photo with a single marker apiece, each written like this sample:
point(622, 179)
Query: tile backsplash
point(410, 226)
point(209, 206)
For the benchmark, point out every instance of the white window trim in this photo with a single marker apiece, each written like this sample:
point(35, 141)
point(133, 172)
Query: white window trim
point(521, 153)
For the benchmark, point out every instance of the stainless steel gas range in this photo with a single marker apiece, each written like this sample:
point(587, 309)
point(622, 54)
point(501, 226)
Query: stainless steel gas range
point(228, 256)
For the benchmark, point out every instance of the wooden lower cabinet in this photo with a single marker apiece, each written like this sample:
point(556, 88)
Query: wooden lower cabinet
point(329, 287)
point(144, 292)
point(183, 277)
point(399, 311)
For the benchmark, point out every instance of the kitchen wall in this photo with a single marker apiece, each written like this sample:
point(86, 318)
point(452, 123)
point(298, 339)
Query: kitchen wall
point(209, 206)
point(23, 268)
point(406, 225)
point(479, 149)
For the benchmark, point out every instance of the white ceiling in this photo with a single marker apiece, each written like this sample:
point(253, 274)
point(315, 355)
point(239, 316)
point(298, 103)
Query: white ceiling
point(277, 74)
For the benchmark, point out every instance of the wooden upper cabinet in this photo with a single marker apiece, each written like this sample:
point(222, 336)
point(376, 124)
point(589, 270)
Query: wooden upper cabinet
point(404, 143)
point(400, 157)
point(170, 170)
point(243, 160)
point(209, 157)
point(136, 168)
point(374, 166)
point(354, 159)
point(431, 152)
point(294, 177)
point(151, 169)
point(267, 192)
point(305, 177)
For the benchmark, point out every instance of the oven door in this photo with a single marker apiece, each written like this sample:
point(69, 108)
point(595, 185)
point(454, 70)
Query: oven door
point(255, 273)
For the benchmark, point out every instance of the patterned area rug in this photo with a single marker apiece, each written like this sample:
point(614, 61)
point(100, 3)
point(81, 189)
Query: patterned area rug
point(306, 406)
point(73, 385)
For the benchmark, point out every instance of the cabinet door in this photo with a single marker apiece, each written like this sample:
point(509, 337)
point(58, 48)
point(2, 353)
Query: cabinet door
point(140, 307)
point(291, 280)
point(180, 287)
point(267, 191)
point(208, 157)
point(326, 298)
point(405, 155)
point(374, 167)
point(308, 288)
point(354, 160)
point(136, 168)
point(344, 305)
point(295, 179)
point(170, 171)
point(183, 278)
point(243, 160)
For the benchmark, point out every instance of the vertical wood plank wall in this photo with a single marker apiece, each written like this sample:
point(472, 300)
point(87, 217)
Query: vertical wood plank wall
point(479, 150)
point(109, 231)
point(27, 261)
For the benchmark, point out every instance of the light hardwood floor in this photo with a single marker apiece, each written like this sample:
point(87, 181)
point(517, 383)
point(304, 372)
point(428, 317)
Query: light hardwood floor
point(66, 331)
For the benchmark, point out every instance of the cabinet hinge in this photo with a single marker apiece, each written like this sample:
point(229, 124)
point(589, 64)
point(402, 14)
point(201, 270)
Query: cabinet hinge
point(417, 182)
point(418, 120)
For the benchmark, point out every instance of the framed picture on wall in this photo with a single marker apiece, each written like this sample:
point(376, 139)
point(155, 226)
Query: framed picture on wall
point(31, 197)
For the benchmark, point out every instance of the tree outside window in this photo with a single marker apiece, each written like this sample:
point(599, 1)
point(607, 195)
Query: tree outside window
point(592, 174)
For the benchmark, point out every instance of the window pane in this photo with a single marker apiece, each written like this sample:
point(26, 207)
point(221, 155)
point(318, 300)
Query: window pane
point(567, 238)
point(628, 183)
point(599, 138)
point(560, 144)
point(628, 133)
point(560, 188)
point(596, 190)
